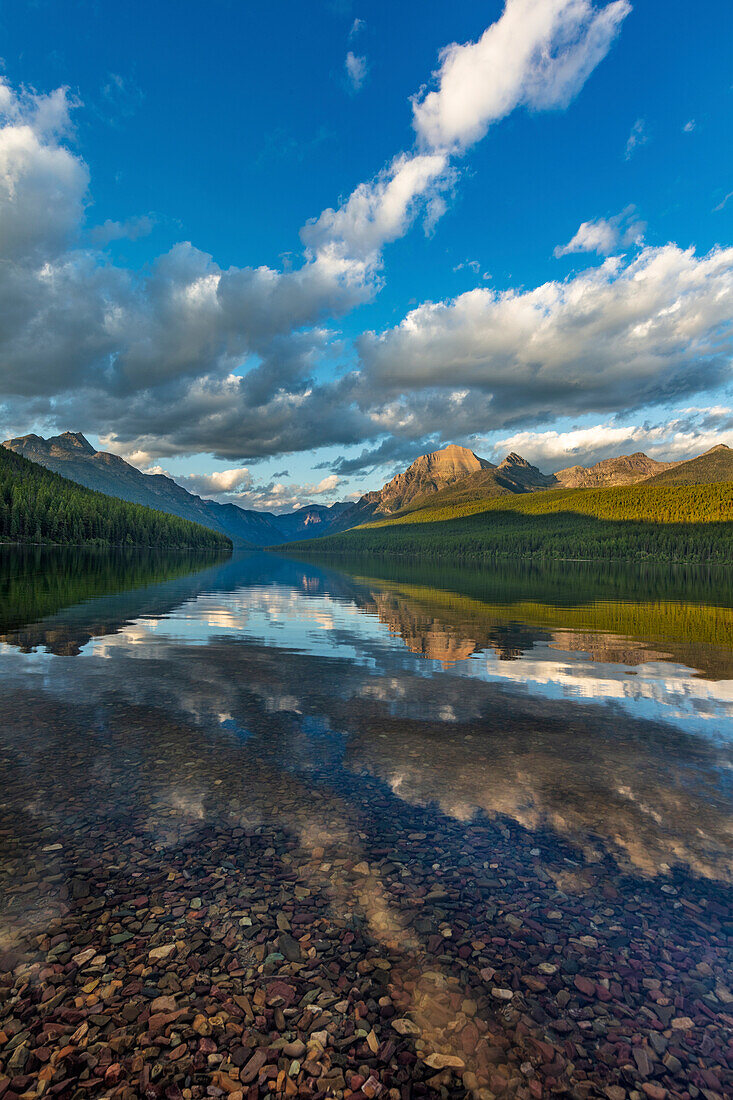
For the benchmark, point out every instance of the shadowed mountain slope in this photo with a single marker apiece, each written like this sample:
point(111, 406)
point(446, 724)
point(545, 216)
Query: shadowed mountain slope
point(453, 477)
point(685, 523)
point(73, 456)
point(38, 505)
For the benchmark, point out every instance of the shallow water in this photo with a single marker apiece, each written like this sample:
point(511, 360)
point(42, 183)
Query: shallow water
point(450, 833)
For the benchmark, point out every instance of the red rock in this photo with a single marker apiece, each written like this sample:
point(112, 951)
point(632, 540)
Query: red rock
point(280, 990)
point(253, 1066)
point(654, 1092)
point(113, 1074)
point(585, 985)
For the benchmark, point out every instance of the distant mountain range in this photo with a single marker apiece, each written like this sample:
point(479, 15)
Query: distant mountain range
point(452, 476)
point(73, 456)
point(455, 475)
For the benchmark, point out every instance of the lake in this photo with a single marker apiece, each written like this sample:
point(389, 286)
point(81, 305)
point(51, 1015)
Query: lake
point(274, 828)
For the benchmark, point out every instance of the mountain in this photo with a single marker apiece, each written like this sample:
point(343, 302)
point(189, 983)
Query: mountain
point(427, 475)
point(73, 456)
point(309, 521)
point(40, 506)
point(707, 469)
point(683, 523)
point(453, 474)
point(626, 470)
point(614, 510)
point(451, 477)
point(519, 476)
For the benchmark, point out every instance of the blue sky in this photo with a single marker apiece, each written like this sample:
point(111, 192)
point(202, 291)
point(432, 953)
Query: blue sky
point(192, 324)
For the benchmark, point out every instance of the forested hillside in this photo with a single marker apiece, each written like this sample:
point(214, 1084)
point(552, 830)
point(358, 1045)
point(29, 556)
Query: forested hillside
point(677, 523)
point(714, 465)
point(37, 506)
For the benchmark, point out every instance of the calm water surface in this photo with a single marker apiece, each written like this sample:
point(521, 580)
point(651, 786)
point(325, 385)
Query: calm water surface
point(450, 834)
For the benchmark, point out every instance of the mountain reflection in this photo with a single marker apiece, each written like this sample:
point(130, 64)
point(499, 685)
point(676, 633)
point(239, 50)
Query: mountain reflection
point(251, 675)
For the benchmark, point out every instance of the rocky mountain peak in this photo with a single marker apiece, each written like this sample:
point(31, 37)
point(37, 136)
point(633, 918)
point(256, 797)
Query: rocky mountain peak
point(624, 470)
point(72, 441)
point(450, 460)
point(429, 474)
point(513, 459)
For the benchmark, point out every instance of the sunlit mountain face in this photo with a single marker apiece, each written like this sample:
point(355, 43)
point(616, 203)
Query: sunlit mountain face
point(480, 795)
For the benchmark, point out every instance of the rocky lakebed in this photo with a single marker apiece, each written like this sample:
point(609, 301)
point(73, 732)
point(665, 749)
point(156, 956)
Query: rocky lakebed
point(229, 869)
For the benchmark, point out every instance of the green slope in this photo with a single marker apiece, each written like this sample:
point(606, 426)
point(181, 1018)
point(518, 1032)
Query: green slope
point(677, 523)
point(713, 466)
point(38, 506)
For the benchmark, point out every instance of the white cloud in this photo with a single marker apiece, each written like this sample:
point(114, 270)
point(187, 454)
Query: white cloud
point(188, 356)
point(356, 71)
point(675, 440)
point(554, 449)
point(689, 126)
point(605, 235)
point(327, 484)
point(636, 138)
point(538, 54)
point(473, 265)
point(379, 211)
point(281, 497)
point(132, 230)
point(220, 483)
point(42, 184)
point(627, 333)
point(237, 486)
point(356, 28)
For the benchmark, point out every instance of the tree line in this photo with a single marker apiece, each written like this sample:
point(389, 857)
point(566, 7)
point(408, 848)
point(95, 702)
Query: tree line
point(687, 523)
point(39, 506)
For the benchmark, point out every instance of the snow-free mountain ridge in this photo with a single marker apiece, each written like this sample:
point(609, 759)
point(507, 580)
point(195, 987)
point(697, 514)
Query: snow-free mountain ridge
point(451, 475)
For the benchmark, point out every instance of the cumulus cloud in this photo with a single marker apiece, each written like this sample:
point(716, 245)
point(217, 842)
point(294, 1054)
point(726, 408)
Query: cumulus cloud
point(279, 497)
point(237, 486)
point(220, 483)
point(188, 356)
point(678, 439)
point(42, 184)
point(379, 211)
point(71, 320)
point(392, 451)
point(538, 54)
point(605, 235)
point(327, 484)
point(357, 70)
point(632, 332)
